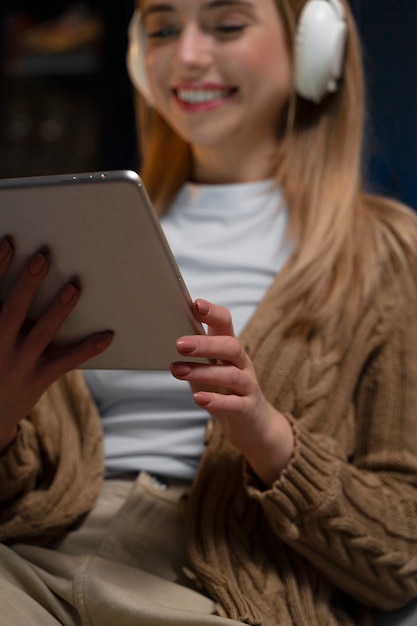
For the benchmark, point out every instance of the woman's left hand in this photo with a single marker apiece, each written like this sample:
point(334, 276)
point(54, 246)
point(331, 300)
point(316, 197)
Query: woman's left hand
point(228, 389)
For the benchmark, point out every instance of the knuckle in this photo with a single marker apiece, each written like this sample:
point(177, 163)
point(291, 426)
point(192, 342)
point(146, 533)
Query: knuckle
point(238, 352)
point(227, 315)
point(38, 336)
point(234, 349)
point(235, 377)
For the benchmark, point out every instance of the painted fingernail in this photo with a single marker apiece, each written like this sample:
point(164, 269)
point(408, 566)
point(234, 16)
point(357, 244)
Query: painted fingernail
point(186, 346)
point(5, 249)
point(67, 293)
point(37, 264)
point(180, 370)
point(201, 398)
point(103, 340)
point(202, 307)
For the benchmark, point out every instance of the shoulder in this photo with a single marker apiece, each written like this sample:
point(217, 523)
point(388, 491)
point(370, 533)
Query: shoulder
point(391, 310)
point(392, 239)
point(395, 227)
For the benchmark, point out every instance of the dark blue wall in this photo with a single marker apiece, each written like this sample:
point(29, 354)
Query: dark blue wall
point(388, 30)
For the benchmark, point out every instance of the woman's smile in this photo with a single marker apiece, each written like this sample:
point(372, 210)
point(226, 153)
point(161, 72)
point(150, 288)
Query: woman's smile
point(194, 98)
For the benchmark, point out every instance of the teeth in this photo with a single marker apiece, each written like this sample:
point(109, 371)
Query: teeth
point(193, 96)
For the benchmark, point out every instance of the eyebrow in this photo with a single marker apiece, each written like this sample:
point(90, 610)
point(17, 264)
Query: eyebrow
point(156, 8)
point(224, 3)
point(214, 4)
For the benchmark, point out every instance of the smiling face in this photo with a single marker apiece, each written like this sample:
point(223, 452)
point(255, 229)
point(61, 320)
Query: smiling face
point(220, 74)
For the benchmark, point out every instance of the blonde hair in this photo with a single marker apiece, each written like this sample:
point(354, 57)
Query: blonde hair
point(342, 234)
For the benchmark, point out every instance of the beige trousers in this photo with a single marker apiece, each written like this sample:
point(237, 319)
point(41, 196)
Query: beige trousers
point(122, 566)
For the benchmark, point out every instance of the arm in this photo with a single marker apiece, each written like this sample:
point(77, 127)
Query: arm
point(51, 473)
point(32, 439)
point(348, 502)
point(353, 517)
point(349, 505)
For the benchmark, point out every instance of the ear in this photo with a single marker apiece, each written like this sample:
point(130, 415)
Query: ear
point(320, 45)
point(135, 58)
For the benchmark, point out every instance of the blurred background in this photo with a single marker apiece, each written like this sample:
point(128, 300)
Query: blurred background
point(66, 103)
point(65, 97)
point(388, 33)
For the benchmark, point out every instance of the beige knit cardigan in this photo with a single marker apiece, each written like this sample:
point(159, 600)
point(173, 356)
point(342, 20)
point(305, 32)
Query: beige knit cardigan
point(337, 533)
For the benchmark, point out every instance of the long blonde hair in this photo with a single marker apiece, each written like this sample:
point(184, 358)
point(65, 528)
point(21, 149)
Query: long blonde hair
point(342, 234)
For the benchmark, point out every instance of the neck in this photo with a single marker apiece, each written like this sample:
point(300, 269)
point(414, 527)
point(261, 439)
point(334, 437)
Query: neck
point(223, 167)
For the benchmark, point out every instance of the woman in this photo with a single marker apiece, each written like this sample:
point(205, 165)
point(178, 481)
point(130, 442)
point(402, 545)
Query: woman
point(302, 507)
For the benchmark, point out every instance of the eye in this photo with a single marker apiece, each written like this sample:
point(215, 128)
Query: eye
point(161, 26)
point(165, 32)
point(230, 29)
point(227, 24)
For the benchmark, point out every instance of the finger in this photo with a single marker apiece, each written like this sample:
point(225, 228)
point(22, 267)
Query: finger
point(228, 378)
point(71, 357)
point(6, 255)
point(221, 405)
point(217, 318)
point(233, 413)
point(48, 324)
point(16, 305)
point(213, 347)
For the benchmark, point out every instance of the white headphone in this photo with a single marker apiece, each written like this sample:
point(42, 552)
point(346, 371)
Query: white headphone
point(320, 43)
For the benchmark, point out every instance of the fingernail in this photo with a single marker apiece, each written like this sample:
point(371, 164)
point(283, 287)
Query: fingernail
point(37, 264)
point(186, 346)
point(202, 307)
point(103, 340)
point(201, 399)
point(5, 249)
point(67, 293)
point(180, 370)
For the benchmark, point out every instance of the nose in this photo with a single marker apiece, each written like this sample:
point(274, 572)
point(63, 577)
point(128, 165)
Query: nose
point(193, 49)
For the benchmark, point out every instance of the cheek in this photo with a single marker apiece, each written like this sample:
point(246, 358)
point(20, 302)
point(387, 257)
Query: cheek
point(283, 63)
point(151, 68)
point(269, 65)
point(156, 71)
point(249, 56)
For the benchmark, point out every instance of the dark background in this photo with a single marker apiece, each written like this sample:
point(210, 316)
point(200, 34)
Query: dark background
point(68, 107)
point(388, 30)
point(65, 101)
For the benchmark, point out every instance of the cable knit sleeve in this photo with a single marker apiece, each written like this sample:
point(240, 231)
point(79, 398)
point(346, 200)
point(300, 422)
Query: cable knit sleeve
point(51, 474)
point(20, 465)
point(348, 500)
point(343, 515)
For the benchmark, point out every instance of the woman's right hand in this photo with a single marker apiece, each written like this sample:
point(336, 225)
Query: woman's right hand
point(28, 364)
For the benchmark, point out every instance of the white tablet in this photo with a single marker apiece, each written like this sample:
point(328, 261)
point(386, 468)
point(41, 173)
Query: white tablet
point(100, 227)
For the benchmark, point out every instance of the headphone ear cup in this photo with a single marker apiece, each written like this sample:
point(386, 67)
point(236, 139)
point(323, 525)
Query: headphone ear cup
point(135, 58)
point(320, 44)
